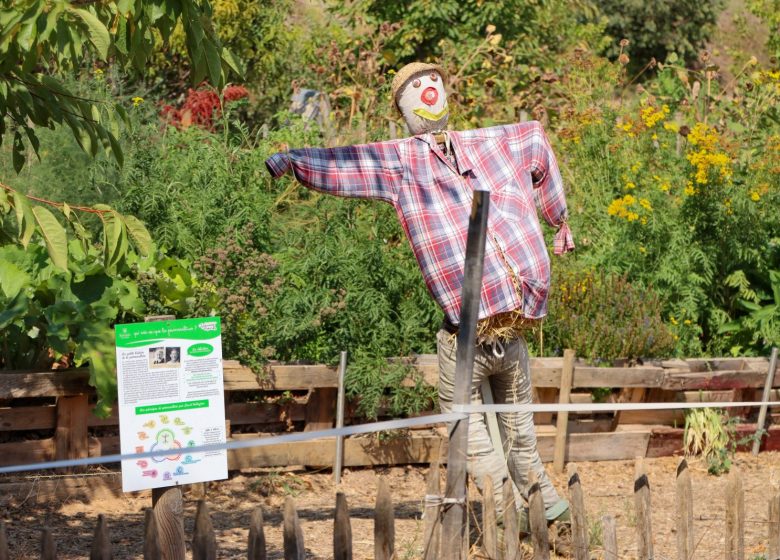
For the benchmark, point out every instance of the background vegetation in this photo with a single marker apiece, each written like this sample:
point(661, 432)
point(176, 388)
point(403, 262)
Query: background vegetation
point(670, 153)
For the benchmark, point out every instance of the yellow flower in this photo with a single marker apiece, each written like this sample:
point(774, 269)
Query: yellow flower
point(629, 199)
point(137, 101)
point(754, 196)
point(636, 167)
point(672, 319)
point(644, 203)
point(642, 249)
point(689, 189)
point(665, 187)
point(643, 221)
point(630, 185)
point(651, 116)
point(687, 321)
point(674, 127)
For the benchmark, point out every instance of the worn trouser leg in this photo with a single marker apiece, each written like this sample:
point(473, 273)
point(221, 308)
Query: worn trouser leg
point(510, 379)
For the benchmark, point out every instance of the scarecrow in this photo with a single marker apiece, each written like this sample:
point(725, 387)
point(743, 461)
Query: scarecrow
point(429, 178)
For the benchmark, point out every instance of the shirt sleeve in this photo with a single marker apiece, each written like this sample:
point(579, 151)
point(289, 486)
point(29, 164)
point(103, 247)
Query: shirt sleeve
point(362, 171)
point(548, 186)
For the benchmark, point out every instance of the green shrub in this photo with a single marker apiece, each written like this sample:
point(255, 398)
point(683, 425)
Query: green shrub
point(604, 317)
point(657, 29)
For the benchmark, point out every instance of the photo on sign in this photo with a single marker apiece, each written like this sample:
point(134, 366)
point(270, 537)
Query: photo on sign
point(157, 356)
point(173, 355)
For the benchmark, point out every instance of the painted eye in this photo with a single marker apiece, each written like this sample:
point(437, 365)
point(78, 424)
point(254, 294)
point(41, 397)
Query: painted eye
point(416, 83)
point(434, 77)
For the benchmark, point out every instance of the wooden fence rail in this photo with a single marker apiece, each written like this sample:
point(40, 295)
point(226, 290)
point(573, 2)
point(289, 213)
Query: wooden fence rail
point(499, 541)
point(65, 398)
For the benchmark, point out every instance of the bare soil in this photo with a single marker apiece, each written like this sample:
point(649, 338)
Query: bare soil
point(608, 489)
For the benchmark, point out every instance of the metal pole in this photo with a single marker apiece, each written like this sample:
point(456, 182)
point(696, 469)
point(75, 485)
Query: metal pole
point(770, 379)
point(454, 516)
point(340, 419)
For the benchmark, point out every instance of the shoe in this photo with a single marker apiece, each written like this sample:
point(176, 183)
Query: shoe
point(558, 513)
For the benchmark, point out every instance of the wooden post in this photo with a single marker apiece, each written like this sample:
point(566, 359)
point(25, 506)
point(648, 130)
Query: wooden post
point(735, 516)
point(151, 539)
point(537, 519)
point(204, 541)
point(71, 434)
point(511, 530)
point(773, 527)
point(770, 378)
point(432, 513)
point(342, 530)
point(684, 495)
point(384, 523)
point(561, 425)
point(169, 519)
point(454, 535)
point(256, 547)
point(101, 542)
point(48, 546)
point(489, 521)
point(579, 524)
point(293, 535)
point(4, 554)
point(609, 535)
point(642, 503)
point(339, 459)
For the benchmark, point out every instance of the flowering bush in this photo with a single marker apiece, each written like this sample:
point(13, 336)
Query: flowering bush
point(203, 106)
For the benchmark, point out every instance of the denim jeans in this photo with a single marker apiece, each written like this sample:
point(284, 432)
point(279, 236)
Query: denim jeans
point(510, 379)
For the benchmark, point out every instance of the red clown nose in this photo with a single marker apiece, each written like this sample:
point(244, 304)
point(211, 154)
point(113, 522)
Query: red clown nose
point(429, 96)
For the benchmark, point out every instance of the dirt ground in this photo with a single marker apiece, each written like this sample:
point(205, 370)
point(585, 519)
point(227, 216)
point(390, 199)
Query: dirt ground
point(607, 486)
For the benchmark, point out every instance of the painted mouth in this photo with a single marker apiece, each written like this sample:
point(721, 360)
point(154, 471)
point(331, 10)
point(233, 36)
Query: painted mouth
point(429, 96)
point(426, 114)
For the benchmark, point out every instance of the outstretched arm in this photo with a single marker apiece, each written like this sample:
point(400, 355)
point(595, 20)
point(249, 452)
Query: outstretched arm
point(362, 171)
point(532, 145)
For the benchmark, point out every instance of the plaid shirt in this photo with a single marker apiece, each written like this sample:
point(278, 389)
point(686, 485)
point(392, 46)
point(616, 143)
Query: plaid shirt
point(432, 197)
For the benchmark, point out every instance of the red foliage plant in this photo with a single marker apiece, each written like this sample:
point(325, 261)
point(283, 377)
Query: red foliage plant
point(202, 106)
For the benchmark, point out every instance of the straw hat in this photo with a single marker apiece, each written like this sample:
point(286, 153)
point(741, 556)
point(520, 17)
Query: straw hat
point(410, 70)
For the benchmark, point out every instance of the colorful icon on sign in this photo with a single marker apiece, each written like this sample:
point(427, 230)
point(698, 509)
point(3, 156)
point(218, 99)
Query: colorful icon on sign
point(151, 473)
point(166, 440)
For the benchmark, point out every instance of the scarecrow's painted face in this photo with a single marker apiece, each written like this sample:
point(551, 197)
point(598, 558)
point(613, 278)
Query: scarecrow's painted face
point(423, 103)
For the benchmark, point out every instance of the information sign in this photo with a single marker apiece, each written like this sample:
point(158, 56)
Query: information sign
point(171, 396)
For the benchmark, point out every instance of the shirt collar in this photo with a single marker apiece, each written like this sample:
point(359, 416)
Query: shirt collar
point(461, 157)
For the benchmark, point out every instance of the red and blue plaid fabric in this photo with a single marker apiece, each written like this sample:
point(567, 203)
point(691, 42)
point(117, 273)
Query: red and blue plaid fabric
point(433, 200)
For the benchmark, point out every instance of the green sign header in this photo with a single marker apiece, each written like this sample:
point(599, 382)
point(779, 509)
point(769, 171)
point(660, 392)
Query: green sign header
point(171, 407)
point(143, 334)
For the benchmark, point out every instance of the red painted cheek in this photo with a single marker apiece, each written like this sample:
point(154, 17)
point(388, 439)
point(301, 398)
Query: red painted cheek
point(429, 96)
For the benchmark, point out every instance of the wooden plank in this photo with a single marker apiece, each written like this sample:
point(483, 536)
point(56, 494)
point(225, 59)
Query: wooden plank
point(320, 410)
point(256, 545)
point(17, 385)
point(48, 545)
point(70, 435)
point(511, 529)
point(489, 519)
point(362, 451)
point(292, 535)
point(169, 519)
point(644, 526)
point(716, 380)
point(567, 374)
point(684, 512)
point(735, 516)
point(609, 446)
point(609, 535)
point(4, 554)
point(773, 525)
point(342, 530)
point(544, 395)
point(24, 452)
point(384, 523)
point(432, 512)
point(21, 418)
point(278, 377)
point(579, 523)
point(204, 541)
point(536, 518)
point(151, 536)
point(101, 541)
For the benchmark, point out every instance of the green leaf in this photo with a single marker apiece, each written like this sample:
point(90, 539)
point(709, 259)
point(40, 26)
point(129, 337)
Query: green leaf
point(114, 238)
point(214, 63)
point(14, 310)
point(12, 279)
point(54, 235)
point(140, 235)
point(18, 152)
point(233, 62)
point(98, 34)
point(24, 218)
